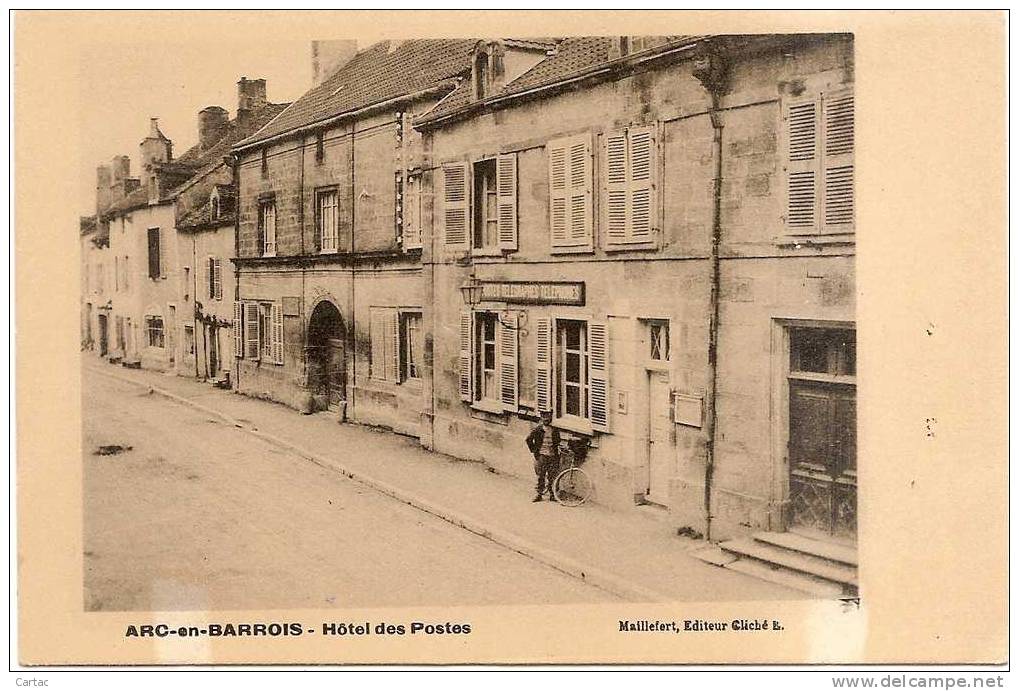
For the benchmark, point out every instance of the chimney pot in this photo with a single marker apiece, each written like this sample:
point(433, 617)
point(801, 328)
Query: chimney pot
point(250, 95)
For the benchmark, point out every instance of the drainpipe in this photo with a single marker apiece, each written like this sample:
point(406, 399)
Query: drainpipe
point(711, 69)
point(352, 321)
point(236, 170)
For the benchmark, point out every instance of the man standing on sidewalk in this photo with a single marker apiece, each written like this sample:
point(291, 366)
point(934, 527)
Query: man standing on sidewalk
point(543, 441)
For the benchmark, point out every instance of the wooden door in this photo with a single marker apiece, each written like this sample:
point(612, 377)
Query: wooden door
point(104, 340)
point(661, 451)
point(822, 457)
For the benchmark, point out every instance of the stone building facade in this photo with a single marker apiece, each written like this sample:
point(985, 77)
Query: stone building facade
point(701, 345)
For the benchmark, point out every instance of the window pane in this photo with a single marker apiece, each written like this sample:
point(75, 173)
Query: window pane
point(573, 400)
point(847, 353)
point(489, 356)
point(573, 367)
point(572, 335)
point(489, 328)
point(809, 350)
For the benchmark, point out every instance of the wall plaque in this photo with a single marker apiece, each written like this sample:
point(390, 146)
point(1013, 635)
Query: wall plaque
point(688, 410)
point(534, 292)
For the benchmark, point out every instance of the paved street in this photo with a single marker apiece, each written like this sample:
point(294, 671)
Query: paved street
point(201, 515)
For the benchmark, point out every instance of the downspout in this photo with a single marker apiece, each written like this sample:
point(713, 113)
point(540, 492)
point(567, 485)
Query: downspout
point(711, 70)
point(352, 322)
point(194, 300)
point(308, 401)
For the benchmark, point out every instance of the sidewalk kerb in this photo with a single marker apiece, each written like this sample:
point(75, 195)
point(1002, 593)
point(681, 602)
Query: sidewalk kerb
point(591, 575)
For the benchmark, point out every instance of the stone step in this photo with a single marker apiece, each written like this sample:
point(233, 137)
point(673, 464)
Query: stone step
point(713, 554)
point(793, 560)
point(817, 548)
point(791, 579)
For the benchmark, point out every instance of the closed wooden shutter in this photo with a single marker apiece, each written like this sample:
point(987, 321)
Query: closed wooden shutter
point(617, 187)
point(154, 252)
point(252, 326)
point(464, 364)
point(238, 327)
point(210, 277)
point(456, 206)
point(543, 365)
point(506, 200)
point(276, 317)
point(643, 168)
point(802, 172)
point(838, 131)
point(598, 374)
point(392, 323)
point(377, 336)
point(508, 362)
point(570, 199)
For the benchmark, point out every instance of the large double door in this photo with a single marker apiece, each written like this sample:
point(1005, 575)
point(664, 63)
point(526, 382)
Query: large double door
point(822, 433)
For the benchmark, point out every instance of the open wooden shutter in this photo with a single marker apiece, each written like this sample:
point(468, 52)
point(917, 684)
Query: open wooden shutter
point(412, 213)
point(276, 317)
point(543, 369)
point(838, 119)
point(210, 278)
point(377, 336)
point(392, 335)
point(508, 362)
point(598, 374)
point(802, 172)
point(252, 326)
point(617, 187)
point(238, 329)
point(456, 206)
point(466, 329)
point(643, 168)
point(218, 274)
point(506, 200)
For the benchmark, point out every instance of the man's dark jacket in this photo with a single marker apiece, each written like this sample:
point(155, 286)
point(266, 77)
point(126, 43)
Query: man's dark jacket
point(537, 436)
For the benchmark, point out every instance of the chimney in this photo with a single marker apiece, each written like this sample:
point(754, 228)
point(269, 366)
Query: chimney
point(155, 148)
point(213, 122)
point(250, 95)
point(102, 188)
point(329, 56)
point(121, 168)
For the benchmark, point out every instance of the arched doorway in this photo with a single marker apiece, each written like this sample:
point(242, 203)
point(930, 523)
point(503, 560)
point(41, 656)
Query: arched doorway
point(327, 374)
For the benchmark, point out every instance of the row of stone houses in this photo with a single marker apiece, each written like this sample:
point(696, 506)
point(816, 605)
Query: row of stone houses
point(650, 237)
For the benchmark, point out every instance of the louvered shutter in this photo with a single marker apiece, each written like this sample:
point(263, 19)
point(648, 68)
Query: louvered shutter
point(598, 374)
point(465, 356)
point(838, 131)
point(377, 336)
point(643, 166)
point(558, 202)
point(392, 326)
point(456, 205)
point(238, 329)
point(252, 326)
point(617, 188)
point(802, 172)
point(210, 277)
point(218, 276)
point(508, 362)
point(543, 369)
point(276, 316)
point(506, 201)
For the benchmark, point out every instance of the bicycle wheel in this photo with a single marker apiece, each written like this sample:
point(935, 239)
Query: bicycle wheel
point(572, 487)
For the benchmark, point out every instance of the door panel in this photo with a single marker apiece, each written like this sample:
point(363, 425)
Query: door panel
point(661, 453)
point(335, 372)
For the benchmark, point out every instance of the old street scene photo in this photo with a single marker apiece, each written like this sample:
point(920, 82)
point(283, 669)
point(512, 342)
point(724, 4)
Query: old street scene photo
point(478, 321)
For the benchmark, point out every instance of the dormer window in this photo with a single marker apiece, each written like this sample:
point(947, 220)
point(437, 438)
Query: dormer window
point(481, 75)
point(214, 204)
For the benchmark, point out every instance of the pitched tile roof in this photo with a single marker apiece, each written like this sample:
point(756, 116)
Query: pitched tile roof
point(573, 57)
point(135, 200)
point(378, 73)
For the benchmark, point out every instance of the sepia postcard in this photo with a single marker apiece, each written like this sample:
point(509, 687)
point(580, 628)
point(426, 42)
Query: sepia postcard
point(496, 337)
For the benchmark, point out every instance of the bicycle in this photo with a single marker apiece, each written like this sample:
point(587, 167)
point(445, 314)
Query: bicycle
point(572, 486)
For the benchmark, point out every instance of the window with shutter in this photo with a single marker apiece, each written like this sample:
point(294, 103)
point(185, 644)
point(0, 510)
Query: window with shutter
point(218, 277)
point(820, 196)
point(456, 205)
point(464, 363)
point(569, 177)
point(543, 365)
point(377, 336)
point(630, 179)
point(327, 216)
point(276, 318)
point(238, 328)
point(506, 203)
point(267, 227)
point(252, 328)
point(155, 253)
point(392, 337)
point(210, 277)
point(508, 362)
